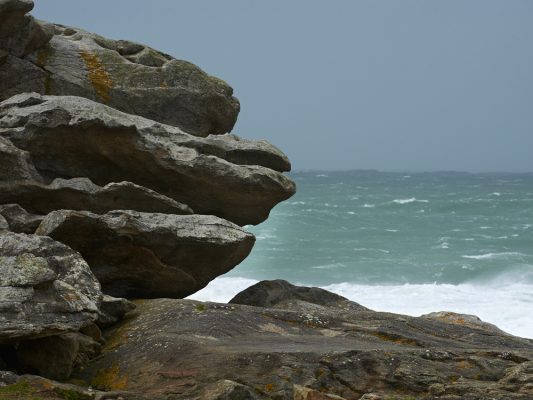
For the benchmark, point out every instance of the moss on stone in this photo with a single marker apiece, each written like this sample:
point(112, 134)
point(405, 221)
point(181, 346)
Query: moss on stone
point(110, 379)
point(72, 394)
point(19, 391)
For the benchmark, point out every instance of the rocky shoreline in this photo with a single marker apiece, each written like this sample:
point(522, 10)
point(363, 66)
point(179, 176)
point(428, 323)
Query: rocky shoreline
point(122, 192)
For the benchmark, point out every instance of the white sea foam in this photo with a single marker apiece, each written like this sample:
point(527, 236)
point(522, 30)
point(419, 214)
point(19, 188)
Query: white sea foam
point(329, 266)
point(504, 302)
point(404, 201)
point(368, 205)
point(408, 201)
point(265, 235)
point(491, 256)
point(223, 289)
point(392, 230)
point(508, 307)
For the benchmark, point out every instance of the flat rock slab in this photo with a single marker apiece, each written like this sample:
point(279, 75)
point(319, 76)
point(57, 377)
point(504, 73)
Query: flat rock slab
point(46, 288)
point(180, 348)
point(59, 60)
point(147, 255)
point(82, 194)
point(69, 137)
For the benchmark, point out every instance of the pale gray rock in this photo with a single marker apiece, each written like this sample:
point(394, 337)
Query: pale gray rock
point(46, 288)
point(144, 255)
point(83, 194)
point(105, 145)
point(128, 76)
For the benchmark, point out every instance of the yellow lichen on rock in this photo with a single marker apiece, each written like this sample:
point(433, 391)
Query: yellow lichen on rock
point(110, 379)
point(97, 74)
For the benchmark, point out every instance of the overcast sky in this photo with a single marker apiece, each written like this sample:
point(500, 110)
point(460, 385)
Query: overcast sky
point(389, 85)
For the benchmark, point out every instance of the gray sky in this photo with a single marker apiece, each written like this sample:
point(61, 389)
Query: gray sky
point(345, 84)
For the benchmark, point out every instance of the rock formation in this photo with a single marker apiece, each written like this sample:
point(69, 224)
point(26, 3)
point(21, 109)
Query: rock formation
point(118, 177)
point(150, 255)
point(106, 145)
point(36, 56)
point(321, 346)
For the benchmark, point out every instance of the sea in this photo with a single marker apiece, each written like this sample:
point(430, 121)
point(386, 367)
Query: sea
point(409, 243)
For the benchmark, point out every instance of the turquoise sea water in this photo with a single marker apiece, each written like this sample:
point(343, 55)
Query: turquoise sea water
point(411, 243)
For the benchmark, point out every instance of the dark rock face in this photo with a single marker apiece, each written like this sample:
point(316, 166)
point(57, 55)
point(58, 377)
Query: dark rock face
point(107, 146)
point(150, 255)
point(53, 59)
point(55, 357)
point(282, 294)
point(46, 288)
point(18, 219)
point(15, 164)
point(113, 309)
point(181, 349)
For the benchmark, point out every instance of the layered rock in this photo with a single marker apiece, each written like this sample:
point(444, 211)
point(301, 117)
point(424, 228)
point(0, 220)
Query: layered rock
point(53, 59)
point(183, 349)
point(82, 194)
point(46, 288)
point(211, 175)
point(150, 255)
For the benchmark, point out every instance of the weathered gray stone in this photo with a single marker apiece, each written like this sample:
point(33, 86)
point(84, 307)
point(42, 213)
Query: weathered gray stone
point(464, 319)
point(15, 164)
point(281, 294)
point(107, 145)
point(4, 225)
point(125, 75)
point(144, 255)
point(21, 34)
point(229, 390)
point(304, 393)
point(82, 194)
point(183, 348)
point(18, 220)
point(113, 309)
point(46, 288)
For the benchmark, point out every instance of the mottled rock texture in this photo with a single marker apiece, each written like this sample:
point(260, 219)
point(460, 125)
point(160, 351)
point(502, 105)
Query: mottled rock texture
point(46, 288)
point(180, 349)
point(36, 56)
point(116, 163)
point(147, 255)
point(230, 177)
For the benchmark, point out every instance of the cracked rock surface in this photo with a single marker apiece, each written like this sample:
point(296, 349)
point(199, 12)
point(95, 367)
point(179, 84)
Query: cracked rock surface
point(179, 349)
